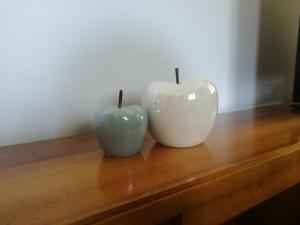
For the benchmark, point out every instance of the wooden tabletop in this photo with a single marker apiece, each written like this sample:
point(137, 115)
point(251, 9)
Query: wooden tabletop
point(70, 180)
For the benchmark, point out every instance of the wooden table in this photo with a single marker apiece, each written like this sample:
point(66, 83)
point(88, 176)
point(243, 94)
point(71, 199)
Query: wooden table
point(250, 156)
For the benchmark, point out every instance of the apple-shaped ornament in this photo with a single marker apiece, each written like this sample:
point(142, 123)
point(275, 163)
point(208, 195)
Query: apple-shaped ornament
point(181, 114)
point(121, 130)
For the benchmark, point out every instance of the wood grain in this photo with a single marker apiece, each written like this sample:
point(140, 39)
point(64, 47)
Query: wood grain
point(249, 157)
point(281, 209)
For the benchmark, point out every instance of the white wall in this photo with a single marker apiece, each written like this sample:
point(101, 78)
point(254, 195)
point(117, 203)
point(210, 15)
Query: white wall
point(62, 60)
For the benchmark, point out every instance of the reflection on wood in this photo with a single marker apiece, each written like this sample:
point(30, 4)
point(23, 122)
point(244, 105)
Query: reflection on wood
point(249, 157)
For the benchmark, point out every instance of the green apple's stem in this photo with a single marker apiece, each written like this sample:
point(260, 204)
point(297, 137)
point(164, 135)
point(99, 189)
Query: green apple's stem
point(120, 99)
point(177, 75)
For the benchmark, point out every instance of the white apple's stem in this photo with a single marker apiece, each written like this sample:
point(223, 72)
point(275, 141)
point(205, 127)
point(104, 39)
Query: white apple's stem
point(120, 99)
point(177, 75)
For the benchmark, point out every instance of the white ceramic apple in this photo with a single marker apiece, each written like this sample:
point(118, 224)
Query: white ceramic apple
point(181, 114)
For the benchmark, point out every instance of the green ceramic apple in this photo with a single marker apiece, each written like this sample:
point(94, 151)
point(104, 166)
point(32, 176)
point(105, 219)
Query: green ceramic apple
point(121, 130)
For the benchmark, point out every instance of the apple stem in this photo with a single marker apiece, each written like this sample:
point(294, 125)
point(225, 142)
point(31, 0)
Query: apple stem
point(177, 75)
point(120, 99)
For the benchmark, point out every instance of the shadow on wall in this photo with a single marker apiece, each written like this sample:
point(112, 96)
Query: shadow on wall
point(272, 58)
point(272, 80)
point(117, 60)
point(244, 53)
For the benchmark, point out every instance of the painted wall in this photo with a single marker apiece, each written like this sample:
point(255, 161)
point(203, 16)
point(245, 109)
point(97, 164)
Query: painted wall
point(62, 60)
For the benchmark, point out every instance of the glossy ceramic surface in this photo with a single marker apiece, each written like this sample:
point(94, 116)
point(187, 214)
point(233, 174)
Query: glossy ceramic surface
point(121, 131)
point(181, 115)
